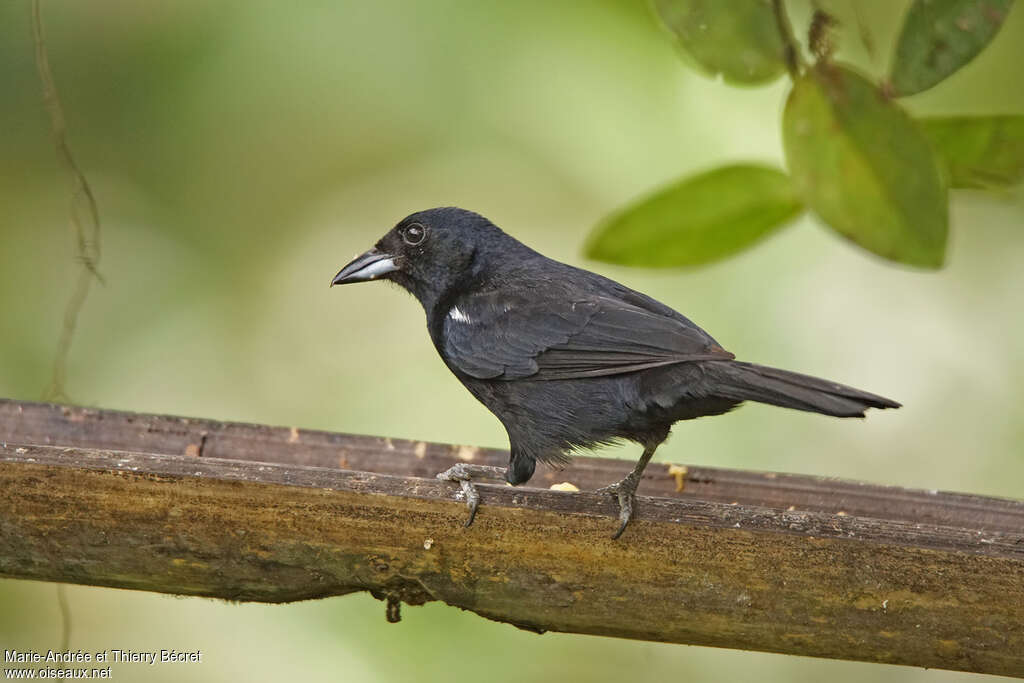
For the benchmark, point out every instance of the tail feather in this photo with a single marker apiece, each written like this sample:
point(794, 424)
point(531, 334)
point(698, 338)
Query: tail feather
point(750, 382)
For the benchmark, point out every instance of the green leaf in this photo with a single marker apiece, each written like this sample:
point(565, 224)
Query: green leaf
point(738, 39)
point(863, 165)
point(700, 219)
point(980, 152)
point(939, 37)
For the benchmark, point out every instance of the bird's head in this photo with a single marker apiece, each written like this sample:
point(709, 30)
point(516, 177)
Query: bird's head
point(428, 252)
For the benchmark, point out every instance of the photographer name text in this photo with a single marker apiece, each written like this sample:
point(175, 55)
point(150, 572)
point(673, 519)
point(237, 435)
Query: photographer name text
point(150, 657)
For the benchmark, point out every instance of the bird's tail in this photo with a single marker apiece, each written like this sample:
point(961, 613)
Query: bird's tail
point(750, 382)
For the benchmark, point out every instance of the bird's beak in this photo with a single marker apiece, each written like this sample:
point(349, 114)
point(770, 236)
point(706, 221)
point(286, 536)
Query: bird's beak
point(368, 266)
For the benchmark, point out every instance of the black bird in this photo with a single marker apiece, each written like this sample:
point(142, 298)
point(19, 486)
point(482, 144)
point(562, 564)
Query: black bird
point(565, 358)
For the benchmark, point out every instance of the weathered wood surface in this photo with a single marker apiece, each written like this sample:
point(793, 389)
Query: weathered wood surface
point(758, 561)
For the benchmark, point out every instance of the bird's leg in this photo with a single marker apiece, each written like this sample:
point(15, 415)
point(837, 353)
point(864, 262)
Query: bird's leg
point(626, 489)
point(464, 473)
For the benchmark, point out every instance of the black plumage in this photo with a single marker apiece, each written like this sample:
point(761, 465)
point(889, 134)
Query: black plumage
point(566, 358)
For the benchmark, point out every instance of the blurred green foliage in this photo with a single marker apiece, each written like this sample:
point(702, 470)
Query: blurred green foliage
point(941, 36)
point(703, 218)
point(858, 161)
point(737, 39)
point(979, 152)
point(863, 165)
point(240, 153)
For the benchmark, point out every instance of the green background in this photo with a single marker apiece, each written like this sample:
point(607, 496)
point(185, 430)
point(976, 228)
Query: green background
point(241, 152)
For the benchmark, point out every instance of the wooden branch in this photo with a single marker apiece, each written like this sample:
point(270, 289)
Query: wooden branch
point(757, 561)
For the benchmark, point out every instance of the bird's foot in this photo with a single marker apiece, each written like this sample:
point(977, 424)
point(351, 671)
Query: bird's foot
point(464, 473)
point(625, 490)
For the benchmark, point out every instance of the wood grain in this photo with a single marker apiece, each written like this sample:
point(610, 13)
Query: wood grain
point(759, 561)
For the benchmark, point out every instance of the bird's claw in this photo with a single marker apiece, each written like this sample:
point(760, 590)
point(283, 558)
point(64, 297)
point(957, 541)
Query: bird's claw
point(463, 473)
point(472, 500)
point(625, 491)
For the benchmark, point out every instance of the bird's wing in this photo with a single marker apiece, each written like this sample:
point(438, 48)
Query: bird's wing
point(502, 336)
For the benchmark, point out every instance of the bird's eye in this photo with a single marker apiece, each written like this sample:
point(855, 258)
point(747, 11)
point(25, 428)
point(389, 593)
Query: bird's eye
point(413, 234)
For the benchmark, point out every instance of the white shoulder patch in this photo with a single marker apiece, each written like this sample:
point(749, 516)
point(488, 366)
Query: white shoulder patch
point(458, 316)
